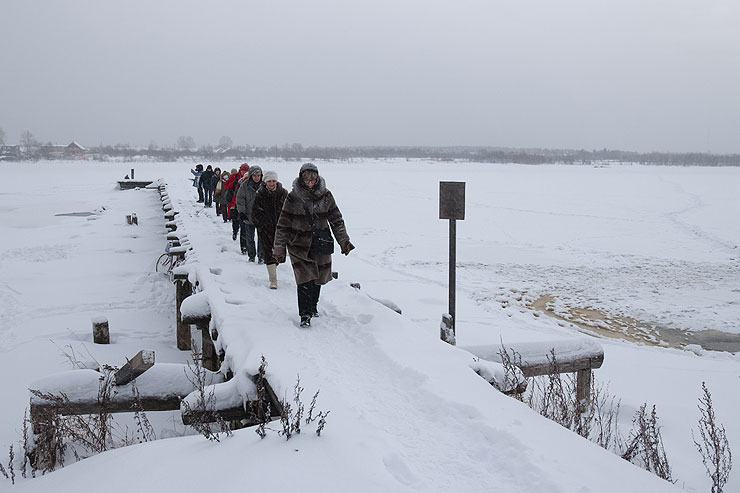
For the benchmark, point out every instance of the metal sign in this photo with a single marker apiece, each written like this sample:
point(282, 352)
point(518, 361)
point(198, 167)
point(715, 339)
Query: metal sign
point(452, 207)
point(452, 200)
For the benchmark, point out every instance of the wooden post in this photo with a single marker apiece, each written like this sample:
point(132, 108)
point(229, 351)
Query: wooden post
point(583, 388)
point(446, 330)
point(134, 367)
point(101, 331)
point(132, 173)
point(210, 358)
point(183, 289)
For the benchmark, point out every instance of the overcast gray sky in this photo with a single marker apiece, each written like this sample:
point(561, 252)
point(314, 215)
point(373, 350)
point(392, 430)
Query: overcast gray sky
point(622, 74)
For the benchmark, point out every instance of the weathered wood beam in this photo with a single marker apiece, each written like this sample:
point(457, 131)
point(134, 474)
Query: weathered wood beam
point(141, 362)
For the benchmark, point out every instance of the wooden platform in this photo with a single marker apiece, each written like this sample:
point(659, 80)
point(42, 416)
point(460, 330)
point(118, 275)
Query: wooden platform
point(131, 184)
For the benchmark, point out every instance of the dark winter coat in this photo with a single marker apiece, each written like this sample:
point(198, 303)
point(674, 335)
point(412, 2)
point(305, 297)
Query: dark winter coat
point(208, 180)
point(265, 214)
point(245, 197)
point(294, 230)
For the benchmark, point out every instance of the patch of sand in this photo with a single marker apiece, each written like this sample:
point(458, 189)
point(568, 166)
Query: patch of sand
point(594, 321)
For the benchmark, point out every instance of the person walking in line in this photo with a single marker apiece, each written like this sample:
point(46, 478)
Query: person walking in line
point(268, 203)
point(207, 184)
point(196, 180)
point(244, 201)
point(217, 187)
point(227, 189)
point(231, 207)
point(308, 212)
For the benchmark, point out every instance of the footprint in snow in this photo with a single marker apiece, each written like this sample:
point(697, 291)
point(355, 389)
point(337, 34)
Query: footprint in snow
point(235, 301)
point(364, 318)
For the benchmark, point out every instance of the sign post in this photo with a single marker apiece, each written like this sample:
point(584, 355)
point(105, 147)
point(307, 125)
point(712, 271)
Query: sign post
point(452, 207)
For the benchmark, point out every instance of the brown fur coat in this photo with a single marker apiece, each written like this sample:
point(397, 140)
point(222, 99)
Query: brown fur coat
point(294, 230)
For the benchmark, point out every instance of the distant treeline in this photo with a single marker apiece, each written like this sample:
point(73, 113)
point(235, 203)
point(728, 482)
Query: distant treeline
point(462, 153)
point(474, 154)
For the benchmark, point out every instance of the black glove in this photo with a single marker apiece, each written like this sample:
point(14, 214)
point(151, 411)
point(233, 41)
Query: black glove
point(243, 216)
point(280, 259)
point(348, 247)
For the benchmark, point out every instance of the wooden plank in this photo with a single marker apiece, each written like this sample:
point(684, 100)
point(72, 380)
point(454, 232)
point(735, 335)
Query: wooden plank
point(130, 184)
point(563, 365)
point(125, 405)
point(134, 367)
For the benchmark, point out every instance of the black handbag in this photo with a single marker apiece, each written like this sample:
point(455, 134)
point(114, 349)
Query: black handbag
point(322, 242)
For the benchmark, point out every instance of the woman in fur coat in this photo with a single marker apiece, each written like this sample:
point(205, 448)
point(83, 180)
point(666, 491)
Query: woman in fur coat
point(266, 208)
point(309, 196)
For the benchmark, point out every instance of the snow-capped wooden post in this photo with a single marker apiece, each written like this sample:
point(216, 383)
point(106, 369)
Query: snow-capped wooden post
point(183, 289)
point(452, 207)
point(197, 311)
point(101, 331)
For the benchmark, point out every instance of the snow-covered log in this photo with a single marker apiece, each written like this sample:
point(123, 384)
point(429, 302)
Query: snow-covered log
point(160, 389)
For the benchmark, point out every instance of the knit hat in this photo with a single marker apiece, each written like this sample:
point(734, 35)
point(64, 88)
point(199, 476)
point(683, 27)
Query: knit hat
point(254, 170)
point(233, 171)
point(270, 175)
point(308, 167)
point(243, 168)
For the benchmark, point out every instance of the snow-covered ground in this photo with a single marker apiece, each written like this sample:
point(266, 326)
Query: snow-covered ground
point(643, 253)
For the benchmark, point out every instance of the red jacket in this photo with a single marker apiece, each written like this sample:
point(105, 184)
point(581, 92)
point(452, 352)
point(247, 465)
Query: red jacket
point(231, 184)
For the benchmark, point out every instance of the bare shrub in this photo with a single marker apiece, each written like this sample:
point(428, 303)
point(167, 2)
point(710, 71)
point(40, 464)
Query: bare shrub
point(511, 362)
point(263, 403)
point(11, 460)
point(205, 418)
point(292, 413)
point(713, 447)
point(144, 429)
point(645, 445)
point(49, 432)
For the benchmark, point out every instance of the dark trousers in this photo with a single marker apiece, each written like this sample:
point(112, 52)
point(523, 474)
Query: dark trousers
point(308, 298)
point(200, 193)
point(246, 239)
point(235, 222)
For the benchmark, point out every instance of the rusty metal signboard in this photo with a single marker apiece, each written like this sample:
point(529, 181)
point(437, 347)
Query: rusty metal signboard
point(452, 200)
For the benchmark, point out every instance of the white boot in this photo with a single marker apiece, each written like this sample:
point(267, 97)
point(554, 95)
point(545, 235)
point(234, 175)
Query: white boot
point(272, 274)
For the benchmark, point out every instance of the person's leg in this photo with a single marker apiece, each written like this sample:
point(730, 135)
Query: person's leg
point(244, 239)
point(200, 193)
point(315, 292)
point(304, 303)
point(234, 223)
point(249, 231)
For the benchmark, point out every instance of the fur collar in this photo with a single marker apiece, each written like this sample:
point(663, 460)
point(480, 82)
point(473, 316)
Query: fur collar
point(304, 193)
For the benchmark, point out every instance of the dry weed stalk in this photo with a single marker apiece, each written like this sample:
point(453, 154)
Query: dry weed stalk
point(205, 416)
point(713, 447)
point(645, 445)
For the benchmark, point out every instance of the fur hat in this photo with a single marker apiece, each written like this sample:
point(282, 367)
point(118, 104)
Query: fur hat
point(254, 169)
point(270, 175)
point(308, 167)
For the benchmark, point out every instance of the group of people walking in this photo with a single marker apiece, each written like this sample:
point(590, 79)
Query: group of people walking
point(298, 224)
